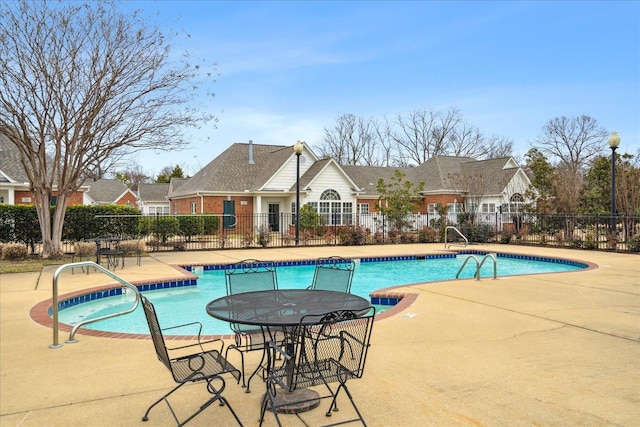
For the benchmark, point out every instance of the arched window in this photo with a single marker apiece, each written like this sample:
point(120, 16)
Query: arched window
point(333, 210)
point(516, 203)
point(330, 195)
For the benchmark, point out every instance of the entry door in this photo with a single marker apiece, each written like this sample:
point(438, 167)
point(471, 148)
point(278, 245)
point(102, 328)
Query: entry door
point(229, 211)
point(274, 217)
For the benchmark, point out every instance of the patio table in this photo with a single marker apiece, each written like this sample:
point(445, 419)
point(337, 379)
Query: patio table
point(283, 310)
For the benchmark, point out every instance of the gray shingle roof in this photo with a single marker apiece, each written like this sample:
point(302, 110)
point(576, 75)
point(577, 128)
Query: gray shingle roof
point(366, 177)
point(105, 191)
point(231, 171)
point(156, 192)
point(10, 164)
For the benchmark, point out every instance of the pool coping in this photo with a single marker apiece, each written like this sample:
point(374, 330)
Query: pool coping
point(41, 312)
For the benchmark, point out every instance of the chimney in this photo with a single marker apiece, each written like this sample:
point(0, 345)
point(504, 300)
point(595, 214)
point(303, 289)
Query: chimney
point(250, 151)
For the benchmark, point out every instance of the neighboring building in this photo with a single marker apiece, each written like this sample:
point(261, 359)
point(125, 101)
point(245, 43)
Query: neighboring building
point(152, 199)
point(109, 192)
point(260, 181)
point(14, 183)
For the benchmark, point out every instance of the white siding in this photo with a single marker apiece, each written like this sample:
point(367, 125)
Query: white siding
point(330, 178)
point(285, 178)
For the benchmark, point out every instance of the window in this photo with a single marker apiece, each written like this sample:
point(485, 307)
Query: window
point(516, 203)
point(432, 208)
point(193, 207)
point(159, 210)
point(334, 211)
point(488, 208)
point(455, 208)
point(330, 195)
point(363, 208)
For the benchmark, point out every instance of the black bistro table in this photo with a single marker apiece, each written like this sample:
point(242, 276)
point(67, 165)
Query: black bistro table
point(283, 309)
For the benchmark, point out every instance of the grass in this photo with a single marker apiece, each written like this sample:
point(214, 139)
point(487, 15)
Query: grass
point(30, 264)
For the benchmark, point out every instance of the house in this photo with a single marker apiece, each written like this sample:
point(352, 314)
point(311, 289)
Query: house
point(253, 185)
point(110, 192)
point(152, 198)
point(14, 182)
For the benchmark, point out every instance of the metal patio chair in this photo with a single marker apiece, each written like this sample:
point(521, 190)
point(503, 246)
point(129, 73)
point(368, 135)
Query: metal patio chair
point(324, 349)
point(333, 274)
point(248, 276)
point(190, 363)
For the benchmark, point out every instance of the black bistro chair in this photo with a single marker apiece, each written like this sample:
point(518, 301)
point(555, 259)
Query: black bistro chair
point(333, 274)
point(324, 349)
point(190, 363)
point(248, 276)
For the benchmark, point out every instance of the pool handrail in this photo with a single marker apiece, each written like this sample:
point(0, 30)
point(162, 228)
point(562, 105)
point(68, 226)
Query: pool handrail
point(466, 241)
point(54, 306)
point(475, 258)
point(479, 264)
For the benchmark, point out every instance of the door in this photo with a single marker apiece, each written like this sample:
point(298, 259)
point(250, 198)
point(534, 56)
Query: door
point(229, 211)
point(274, 217)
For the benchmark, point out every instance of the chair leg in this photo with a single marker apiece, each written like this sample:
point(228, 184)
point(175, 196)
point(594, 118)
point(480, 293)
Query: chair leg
point(145, 417)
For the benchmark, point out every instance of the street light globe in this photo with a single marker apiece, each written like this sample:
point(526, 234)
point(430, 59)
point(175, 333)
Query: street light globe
point(614, 140)
point(298, 147)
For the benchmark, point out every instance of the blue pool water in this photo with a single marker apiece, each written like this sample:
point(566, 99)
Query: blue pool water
point(187, 304)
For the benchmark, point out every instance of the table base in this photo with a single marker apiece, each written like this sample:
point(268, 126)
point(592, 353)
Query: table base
point(310, 398)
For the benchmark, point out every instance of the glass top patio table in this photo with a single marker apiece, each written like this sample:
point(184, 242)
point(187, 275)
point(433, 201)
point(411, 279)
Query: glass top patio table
point(282, 307)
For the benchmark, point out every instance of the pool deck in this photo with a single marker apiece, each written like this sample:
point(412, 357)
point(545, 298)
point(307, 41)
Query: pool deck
point(552, 349)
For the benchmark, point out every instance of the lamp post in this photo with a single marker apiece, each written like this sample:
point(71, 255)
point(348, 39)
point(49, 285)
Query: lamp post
point(297, 148)
point(614, 142)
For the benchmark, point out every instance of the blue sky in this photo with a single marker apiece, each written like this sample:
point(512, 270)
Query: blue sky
point(289, 69)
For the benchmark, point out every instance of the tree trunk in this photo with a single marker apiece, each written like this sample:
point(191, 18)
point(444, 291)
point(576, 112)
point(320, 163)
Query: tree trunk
point(50, 226)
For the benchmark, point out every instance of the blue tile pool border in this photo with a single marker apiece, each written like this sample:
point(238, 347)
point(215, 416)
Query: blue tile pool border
point(106, 293)
point(376, 298)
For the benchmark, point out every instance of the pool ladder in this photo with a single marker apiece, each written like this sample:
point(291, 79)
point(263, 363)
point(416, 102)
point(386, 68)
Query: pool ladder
point(54, 305)
point(446, 231)
point(479, 264)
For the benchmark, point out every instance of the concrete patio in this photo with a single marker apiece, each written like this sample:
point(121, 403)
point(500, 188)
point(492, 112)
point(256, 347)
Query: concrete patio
point(552, 349)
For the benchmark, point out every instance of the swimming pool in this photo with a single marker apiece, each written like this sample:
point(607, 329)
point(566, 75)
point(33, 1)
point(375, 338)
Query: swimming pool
point(179, 305)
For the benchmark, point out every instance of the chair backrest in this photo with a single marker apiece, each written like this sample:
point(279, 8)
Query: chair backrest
point(251, 275)
point(333, 274)
point(156, 332)
point(331, 347)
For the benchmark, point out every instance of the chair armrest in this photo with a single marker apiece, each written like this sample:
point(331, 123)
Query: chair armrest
point(200, 343)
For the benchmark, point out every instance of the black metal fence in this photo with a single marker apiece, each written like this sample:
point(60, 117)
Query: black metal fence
point(207, 232)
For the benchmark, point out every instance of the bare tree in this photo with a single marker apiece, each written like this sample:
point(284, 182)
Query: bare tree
point(497, 146)
point(82, 85)
point(351, 141)
point(133, 176)
point(467, 141)
point(425, 133)
point(572, 142)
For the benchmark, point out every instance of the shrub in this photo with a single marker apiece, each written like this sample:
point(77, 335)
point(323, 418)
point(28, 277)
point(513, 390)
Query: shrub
point(576, 243)
point(427, 235)
point(130, 247)
point(190, 225)
point(634, 243)
point(353, 236)
point(505, 236)
point(288, 239)
point(85, 248)
point(211, 224)
point(14, 251)
point(329, 238)
point(264, 237)
point(590, 241)
point(162, 227)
